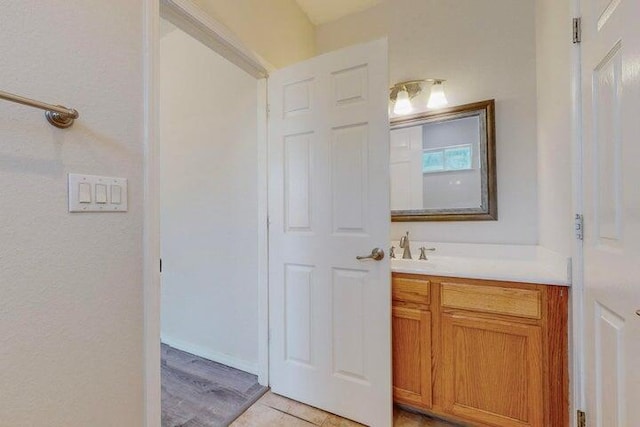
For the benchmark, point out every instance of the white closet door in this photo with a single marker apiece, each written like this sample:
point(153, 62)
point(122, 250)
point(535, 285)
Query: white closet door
point(611, 91)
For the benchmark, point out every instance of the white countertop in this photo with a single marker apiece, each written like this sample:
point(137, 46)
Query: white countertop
point(528, 264)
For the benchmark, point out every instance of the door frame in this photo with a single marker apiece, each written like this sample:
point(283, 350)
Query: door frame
point(220, 39)
point(576, 319)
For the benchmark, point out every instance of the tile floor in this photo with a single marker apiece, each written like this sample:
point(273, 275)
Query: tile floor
point(273, 410)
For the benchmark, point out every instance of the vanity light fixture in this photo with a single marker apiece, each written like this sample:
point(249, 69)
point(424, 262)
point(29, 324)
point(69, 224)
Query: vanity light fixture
point(402, 93)
point(437, 99)
point(403, 103)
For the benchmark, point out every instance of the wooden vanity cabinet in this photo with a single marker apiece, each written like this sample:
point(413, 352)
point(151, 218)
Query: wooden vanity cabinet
point(492, 371)
point(498, 352)
point(411, 322)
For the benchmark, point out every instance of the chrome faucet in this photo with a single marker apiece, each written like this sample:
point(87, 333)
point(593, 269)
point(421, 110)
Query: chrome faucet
point(405, 244)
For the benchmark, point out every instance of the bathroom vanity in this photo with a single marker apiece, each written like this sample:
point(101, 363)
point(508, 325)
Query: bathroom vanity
point(482, 352)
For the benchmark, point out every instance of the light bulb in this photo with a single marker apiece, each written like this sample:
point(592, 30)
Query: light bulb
point(403, 103)
point(437, 99)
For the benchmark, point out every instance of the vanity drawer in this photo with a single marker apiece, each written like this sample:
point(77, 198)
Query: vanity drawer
point(411, 290)
point(526, 303)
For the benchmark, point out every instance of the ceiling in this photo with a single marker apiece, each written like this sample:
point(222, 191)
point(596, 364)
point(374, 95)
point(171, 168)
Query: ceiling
point(323, 11)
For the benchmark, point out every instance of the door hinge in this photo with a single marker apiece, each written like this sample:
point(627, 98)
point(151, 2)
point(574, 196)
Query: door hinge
point(579, 226)
point(577, 30)
point(582, 419)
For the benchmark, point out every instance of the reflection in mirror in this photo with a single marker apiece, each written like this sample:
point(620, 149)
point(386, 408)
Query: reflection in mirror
point(443, 165)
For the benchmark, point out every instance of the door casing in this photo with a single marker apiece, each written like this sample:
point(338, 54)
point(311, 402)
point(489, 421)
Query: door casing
point(576, 328)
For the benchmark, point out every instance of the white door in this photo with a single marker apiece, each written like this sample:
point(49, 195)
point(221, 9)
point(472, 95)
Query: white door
point(611, 139)
point(330, 314)
point(406, 168)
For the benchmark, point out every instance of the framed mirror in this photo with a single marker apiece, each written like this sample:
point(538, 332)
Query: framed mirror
point(443, 165)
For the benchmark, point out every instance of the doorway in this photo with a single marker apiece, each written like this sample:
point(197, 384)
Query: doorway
point(212, 209)
point(208, 202)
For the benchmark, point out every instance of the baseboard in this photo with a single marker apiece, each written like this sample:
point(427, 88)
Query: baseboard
point(209, 354)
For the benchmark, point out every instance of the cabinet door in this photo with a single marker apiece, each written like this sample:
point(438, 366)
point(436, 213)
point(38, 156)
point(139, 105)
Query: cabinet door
point(412, 357)
point(492, 371)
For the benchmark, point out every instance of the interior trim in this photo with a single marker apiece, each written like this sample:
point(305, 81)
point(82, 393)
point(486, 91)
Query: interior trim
point(198, 24)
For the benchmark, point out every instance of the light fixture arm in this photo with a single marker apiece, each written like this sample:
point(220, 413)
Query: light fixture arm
point(403, 92)
point(413, 87)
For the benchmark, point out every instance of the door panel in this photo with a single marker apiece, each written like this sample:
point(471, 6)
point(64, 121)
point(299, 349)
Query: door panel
point(297, 177)
point(609, 362)
point(349, 287)
point(608, 178)
point(330, 314)
point(299, 336)
point(349, 173)
point(611, 101)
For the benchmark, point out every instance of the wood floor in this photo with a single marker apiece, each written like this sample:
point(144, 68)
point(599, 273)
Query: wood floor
point(200, 393)
point(277, 411)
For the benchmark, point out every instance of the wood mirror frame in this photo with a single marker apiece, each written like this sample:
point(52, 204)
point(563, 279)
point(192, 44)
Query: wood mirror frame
point(489, 209)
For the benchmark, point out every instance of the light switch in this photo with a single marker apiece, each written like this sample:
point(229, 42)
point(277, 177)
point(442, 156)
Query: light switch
point(84, 192)
point(101, 194)
point(116, 194)
point(92, 193)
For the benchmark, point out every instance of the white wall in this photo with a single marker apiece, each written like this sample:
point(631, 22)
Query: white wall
point(209, 202)
point(71, 309)
point(554, 47)
point(485, 49)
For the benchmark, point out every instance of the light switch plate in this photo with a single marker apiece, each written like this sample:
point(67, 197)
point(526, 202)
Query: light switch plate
point(96, 182)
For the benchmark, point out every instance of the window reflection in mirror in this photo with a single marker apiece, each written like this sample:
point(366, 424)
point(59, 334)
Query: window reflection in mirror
point(443, 165)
